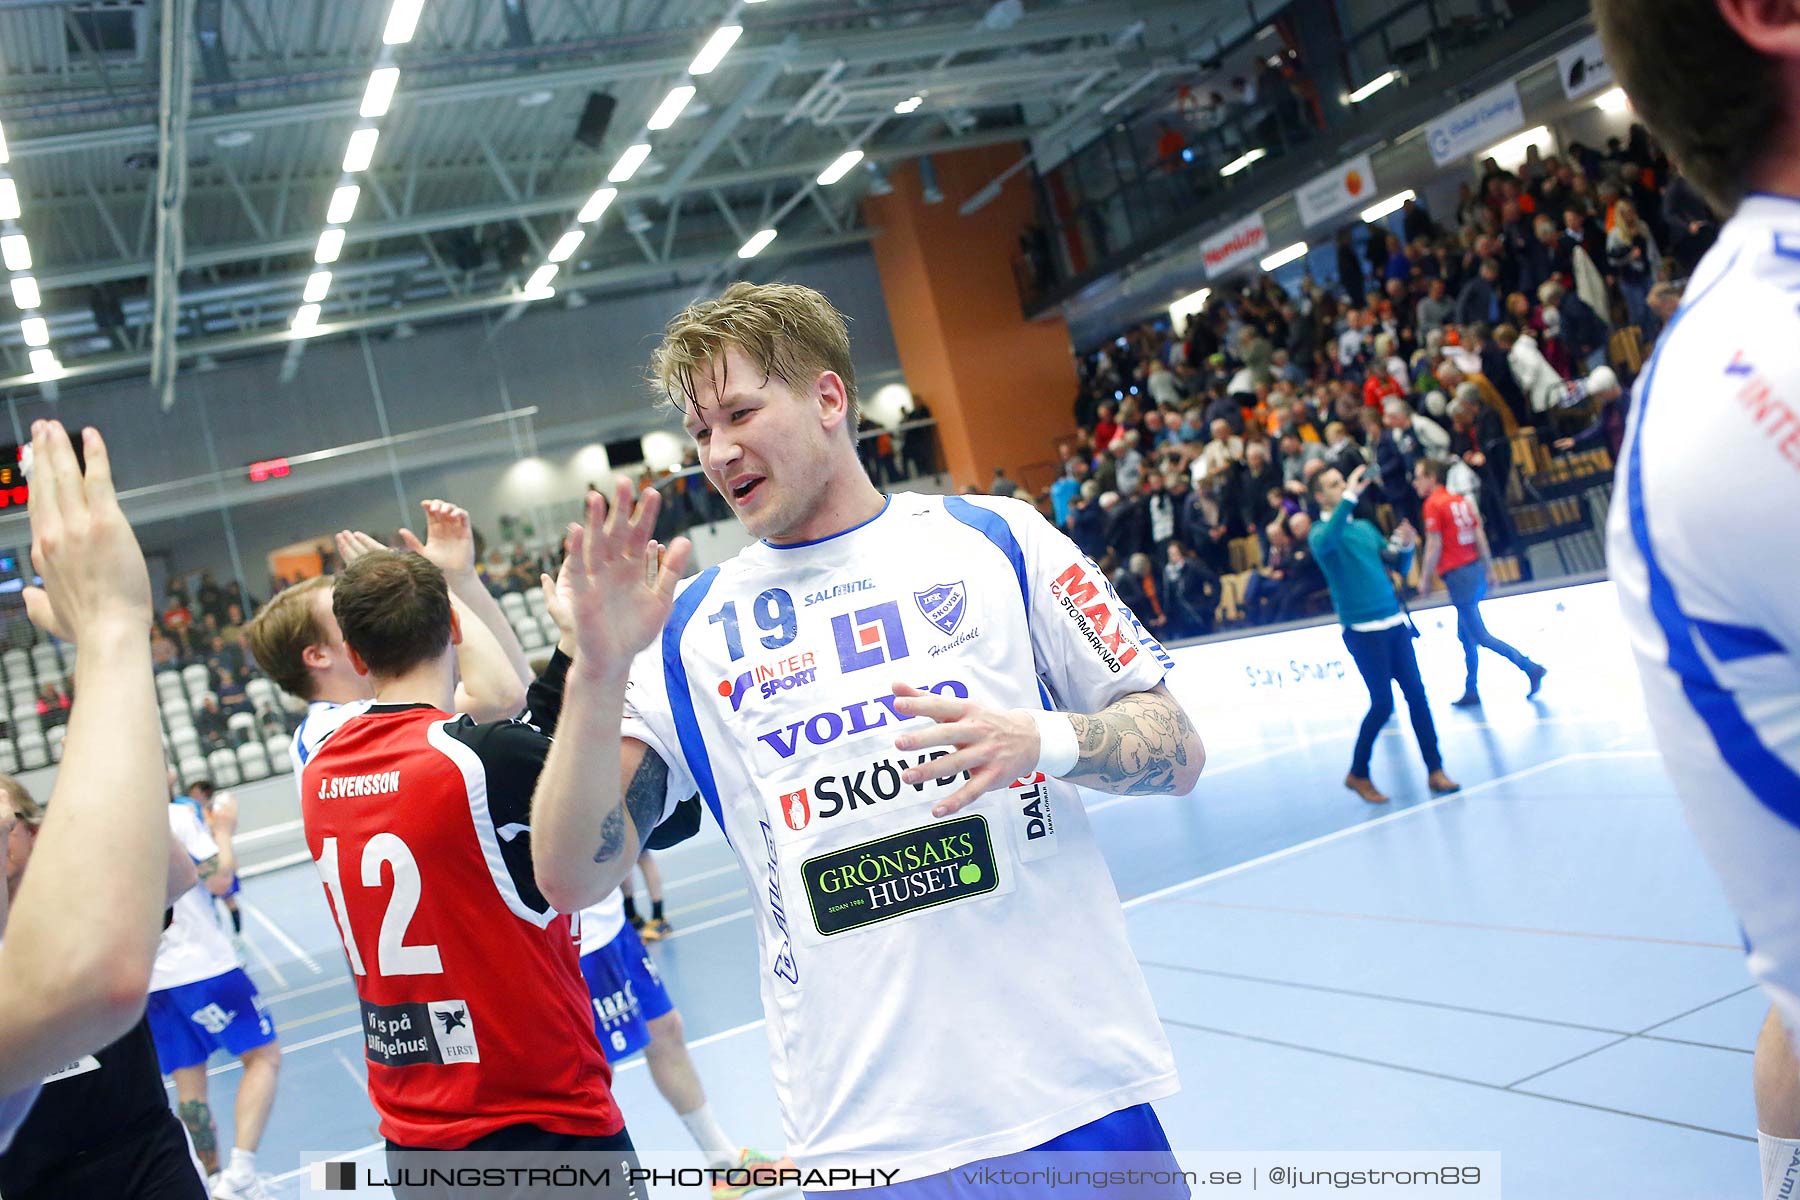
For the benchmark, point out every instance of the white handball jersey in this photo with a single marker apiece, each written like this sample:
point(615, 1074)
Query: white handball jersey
point(193, 947)
point(1701, 544)
point(600, 923)
point(322, 719)
point(938, 991)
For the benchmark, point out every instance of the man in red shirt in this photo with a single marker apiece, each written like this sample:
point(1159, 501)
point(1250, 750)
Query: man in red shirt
point(476, 1020)
point(1456, 547)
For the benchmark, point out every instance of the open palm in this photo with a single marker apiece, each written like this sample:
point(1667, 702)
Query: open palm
point(618, 595)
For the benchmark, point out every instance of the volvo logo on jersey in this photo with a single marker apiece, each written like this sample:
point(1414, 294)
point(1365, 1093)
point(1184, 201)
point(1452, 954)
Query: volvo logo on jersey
point(858, 790)
point(824, 728)
point(869, 636)
point(436, 1031)
point(943, 604)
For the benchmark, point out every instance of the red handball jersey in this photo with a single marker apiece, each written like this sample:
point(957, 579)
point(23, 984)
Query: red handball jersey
point(475, 1016)
point(1454, 519)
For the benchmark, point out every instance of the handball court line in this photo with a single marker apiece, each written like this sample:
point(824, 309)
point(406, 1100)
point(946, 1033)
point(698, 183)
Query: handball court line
point(1136, 901)
point(636, 1061)
point(287, 943)
point(1445, 1006)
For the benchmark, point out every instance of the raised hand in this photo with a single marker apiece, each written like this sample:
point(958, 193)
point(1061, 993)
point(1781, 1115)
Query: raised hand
point(222, 814)
point(449, 539)
point(93, 570)
point(618, 595)
point(352, 545)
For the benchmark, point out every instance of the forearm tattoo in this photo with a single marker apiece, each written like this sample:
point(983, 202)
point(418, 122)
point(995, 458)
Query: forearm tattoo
point(643, 800)
point(207, 869)
point(1132, 747)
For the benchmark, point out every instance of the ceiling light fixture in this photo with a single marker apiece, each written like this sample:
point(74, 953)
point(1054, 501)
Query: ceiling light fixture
point(671, 107)
point(840, 167)
point(715, 50)
point(759, 241)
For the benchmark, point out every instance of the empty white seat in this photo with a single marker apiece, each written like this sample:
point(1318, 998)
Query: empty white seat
point(25, 719)
point(261, 692)
point(45, 662)
point(9, 761)
point(243, 721)
point(224, 768)
point(513, 605)
point(293, 703)
point(534, 600)
point(184, 742)
point(552, 631)
point(54, 736)
point(195, 675)
point(277, 746)
point(192, 768)
point(16, 662)
point(252, 761)
point(34, 752)
point(530, 636)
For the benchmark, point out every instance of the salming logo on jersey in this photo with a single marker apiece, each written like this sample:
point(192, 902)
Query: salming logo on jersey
point(336, 787)
point(783, 966)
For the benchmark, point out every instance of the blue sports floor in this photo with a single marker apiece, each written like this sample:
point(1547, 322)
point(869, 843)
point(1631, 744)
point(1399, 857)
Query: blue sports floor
point(1540, 965)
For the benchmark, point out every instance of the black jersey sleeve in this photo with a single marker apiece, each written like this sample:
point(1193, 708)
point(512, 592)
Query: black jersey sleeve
point(678, 827)
point(511, 755)
point(543, 699)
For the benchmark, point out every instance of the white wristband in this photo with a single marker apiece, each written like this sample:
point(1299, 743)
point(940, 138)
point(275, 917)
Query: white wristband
point(1058, 749)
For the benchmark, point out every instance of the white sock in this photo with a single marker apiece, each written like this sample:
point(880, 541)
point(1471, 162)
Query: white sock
point(708, 1136)
point(242, 1165)
point(1780, 1167)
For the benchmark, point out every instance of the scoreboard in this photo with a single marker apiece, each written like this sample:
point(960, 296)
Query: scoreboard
point(14, 491)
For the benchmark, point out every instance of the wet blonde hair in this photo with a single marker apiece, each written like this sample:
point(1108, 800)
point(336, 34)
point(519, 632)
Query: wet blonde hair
point(792, 333)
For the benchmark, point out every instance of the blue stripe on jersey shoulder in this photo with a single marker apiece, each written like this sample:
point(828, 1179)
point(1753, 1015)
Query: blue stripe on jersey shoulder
point(992, 526)
point(300, 741)
point(681, 701)
point(1763, 772)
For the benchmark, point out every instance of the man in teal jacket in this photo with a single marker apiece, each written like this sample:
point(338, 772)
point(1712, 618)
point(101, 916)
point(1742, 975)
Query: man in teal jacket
point(1355, 558)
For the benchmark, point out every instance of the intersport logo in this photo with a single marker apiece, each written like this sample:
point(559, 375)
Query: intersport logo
point(824, 728)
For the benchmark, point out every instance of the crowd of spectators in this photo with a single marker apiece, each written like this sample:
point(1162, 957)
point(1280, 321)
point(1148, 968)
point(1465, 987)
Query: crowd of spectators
point(1525, 309)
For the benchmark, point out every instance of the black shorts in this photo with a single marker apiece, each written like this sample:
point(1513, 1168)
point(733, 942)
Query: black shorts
point(156, 1164)
point(422, 1174)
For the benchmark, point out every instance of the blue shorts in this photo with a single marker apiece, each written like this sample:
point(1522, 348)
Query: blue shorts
point(189, 1022)
point(627, 992)
point(1129, 1139)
